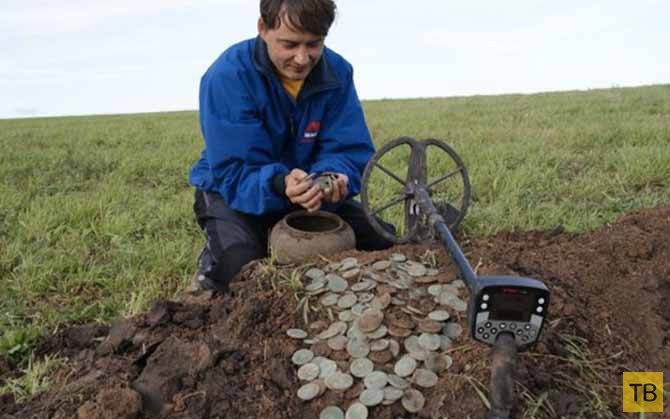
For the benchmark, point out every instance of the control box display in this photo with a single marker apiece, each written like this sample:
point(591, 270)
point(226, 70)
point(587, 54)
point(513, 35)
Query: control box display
point(508, 304)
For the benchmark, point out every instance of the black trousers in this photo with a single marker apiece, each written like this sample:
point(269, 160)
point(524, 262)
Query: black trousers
point(234, 238)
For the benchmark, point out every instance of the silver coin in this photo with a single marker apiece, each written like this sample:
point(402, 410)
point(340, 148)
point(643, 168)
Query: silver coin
point(405, 366)
point(432, 272)
point(398, 301)
point(419, 355)
point(381, 265)
point(459, 305)
point(446, 297)
point(332, 412)
point(308, 372)
point(308, 391)
point(413, 401)
point(328, 333)
point(394, 347)
point(398, 382)
point(436, 362)
point(412, 344)
point(327, 368)
point(347, 263)
point(339, 381)
point(361, 367)
point(296, 333)
point(451, 288)
point(379, 345)
point(358, 348)
point(430, 326)
point(402, 266)
point(378, 333)
point(453, 330)
point(332, 267)
point(435, 290)
point(398, 257)
point(363, 285)
point(401, 285)
point(417, 293)
point(318, 360)
point(315, 286)
point(347, 301)
point(340, 327)
point(376, 379)
point(336, 283)
point(370, 320)
point(429, 341)
point(458, 283)
point(346, 316)
point(371, 275)
point(357, 411)
point(358, 309)
point(439, 315)
point(337, 343)
point(425, 378)
point(315, 274)
point(329, 300)
point(351, 273)
point(445, 343)
point(355, 333)
point(302, 356)
point(371, 396)
point(365, 297)
point(317, 292)
point(311, 341)
point(381, 302)
point(416, 270)
point(322, 386)
point(392, 393)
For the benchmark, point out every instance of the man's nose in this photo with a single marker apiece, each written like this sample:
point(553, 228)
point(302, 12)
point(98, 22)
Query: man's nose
point(302, 57)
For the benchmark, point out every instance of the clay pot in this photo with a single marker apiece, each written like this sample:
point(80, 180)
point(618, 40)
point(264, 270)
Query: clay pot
point(302, 235)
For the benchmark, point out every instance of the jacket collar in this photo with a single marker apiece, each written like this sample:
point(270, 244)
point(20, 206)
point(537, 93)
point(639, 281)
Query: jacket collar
point(319, 79)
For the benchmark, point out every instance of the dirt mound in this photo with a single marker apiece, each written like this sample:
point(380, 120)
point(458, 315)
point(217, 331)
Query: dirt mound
point(209, 356)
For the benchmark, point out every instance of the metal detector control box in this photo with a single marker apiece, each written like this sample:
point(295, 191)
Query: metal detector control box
point(505, 304)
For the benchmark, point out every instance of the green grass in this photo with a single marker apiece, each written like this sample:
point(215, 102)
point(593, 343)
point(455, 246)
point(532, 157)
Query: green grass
point(96, 219)
point(35, 378)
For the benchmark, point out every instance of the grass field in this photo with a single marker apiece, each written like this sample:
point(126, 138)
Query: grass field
point(95, 212)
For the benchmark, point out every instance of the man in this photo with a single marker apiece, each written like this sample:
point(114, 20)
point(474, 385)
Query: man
point(273, 110)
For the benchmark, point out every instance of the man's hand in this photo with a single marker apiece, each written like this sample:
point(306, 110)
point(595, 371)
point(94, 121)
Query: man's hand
point(339, 190)
point(302, 191)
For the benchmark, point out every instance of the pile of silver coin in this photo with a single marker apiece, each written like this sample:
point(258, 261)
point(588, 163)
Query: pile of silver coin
point(389, 337)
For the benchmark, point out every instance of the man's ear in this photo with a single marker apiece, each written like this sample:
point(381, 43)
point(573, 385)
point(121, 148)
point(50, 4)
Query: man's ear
point(261, 27)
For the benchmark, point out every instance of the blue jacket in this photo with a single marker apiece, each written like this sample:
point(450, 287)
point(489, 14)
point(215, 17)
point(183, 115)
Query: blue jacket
point(255, 133)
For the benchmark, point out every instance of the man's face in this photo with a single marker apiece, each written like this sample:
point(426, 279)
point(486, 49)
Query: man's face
point(293, 53)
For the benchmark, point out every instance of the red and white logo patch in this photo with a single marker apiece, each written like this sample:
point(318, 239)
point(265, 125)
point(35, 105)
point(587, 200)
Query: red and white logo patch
point(311, 132)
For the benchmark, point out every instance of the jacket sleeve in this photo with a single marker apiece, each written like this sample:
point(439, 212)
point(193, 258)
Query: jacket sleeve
point(345, 145)
point(239, 150)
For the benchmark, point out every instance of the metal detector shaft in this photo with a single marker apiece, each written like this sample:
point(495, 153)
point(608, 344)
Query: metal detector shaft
point(504, 349)
point(424, 202)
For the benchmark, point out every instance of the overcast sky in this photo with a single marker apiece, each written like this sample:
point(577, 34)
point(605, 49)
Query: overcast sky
point(73, 57)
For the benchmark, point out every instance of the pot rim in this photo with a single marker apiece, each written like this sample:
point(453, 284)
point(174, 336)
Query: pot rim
point(303, 213)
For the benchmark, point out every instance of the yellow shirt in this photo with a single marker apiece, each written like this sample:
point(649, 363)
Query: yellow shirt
point(292, 86)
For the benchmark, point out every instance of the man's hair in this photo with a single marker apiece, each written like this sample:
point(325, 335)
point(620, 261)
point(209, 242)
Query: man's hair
point(312, 16)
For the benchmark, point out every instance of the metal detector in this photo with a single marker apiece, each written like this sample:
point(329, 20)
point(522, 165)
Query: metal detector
point(504, 312)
